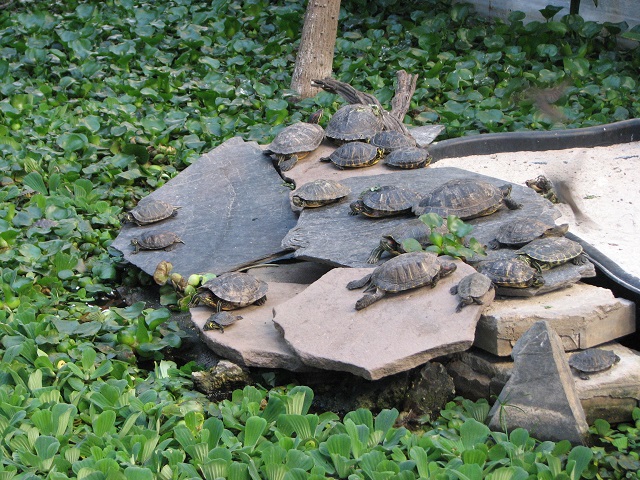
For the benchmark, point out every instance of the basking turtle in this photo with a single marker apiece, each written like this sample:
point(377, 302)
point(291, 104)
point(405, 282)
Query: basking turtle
point(354, 155)
point(549, 252)
point(390, 140)
point(392, 241)
point(520, 232)
point(318, 193)
point(155, 241)
point(408, 158)
point(593, 360)
point(511, 272)
point(354, 122)
point(466, 198)
point(471, 289)
point(404, 272)
point(230, 291)
point(294, 142)
point(150, 211)
point(219, 320)
point(384, 202)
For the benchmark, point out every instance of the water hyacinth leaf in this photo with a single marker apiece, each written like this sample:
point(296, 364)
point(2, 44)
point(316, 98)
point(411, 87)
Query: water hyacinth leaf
point(512, 473)
point(550, 11)
point(104, 423)
point(138, 473)
point(254, 428)
point(578, 460)
point(473, 432)
point(35, 181)
point(72, 142)
point(474, 455)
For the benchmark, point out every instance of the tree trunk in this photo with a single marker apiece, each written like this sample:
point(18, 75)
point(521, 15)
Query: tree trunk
point(315, 56)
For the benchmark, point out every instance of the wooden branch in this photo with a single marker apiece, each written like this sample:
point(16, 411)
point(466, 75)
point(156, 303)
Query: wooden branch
point(405, 88)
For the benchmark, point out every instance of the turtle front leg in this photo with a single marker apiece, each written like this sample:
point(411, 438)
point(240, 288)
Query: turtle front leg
point(287, 163)
point(375, 254)
point(355, 284)
point(370, 298)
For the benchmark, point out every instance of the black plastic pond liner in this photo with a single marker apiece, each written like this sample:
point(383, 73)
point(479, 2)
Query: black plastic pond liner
point(485, 144)
point(599, 136)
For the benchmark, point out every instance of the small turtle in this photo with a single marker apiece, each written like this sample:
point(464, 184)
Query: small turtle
point(151, 211)
point(219, 320)
point(511, 273)
point(392, 241)
point(466, 198)
point(404, 272)
point(390, 140)
point(384, 202)
point(354, 122)
point(471, 289)
point(155, 241)
point(518, 233)
point(593, 360)
point(294, 142)
point(549, 252)
point(230, 291)
point(408, 158)
point(354, 155)
point(318, 193)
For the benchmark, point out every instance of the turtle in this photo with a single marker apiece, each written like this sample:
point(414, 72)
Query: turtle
point(151, 211)
point(392, 240)
point(549, 252)
point(404, 272)
point(354, 155)
point(318, 193)
point(471, 289)
point(155, 241)
point(384, 201)
point(593, 360)
point(408, 158)
point(389, 140)
point(511, 273)
point(219, 320)
point(466, 198)
point(353, 122)
point(294, 142)
point(230, 291)
point(518, 233)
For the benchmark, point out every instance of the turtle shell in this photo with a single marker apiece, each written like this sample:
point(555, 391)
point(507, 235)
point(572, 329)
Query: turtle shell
point(219, 320)
point(354, 122)
point(354, 155)
point(384, 201)
point(392, 241)
point(510, 272)
point(518, 232)
point(549, 252)
point(466, 198)
point(471, 289)
point(593, 360)
point(318, 193)
point(295, 141)
point(408, 157)
point(151, 211)
point(390, 140)
point(155, 241)
point(233, 290)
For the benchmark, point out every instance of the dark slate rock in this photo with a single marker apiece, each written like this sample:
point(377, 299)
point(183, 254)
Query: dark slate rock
point(330, 235)
point(234, 212)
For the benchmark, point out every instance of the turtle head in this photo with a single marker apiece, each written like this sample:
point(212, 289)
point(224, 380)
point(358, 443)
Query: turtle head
point(205, 297)
point(126, 217)
point(297, 201)
point(316, 116)
point(538, 280)
point(506, 189)
point(356, 207)
point(556, 231)
point(447, 268)
point(390, 244)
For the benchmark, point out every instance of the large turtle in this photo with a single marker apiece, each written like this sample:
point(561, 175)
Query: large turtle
point(471, 289)
point(466, 198)
point(511, 272)
point(404, 272)
point(391, 241)
point(593, 360)
point(230, 291)
point(150, 211)
point(155, 241)
point(408, 158)
point(549, 252)
point(354, 122)
point(318, 193)
point(295, 141)
point(354, 155)
point(518, 233)
point(383, 202)
point(389, 140)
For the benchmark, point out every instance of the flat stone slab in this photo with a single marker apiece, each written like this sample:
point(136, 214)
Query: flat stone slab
point(395, 334)
point(330, 235)
point(234, 212)
point(583, 315)
point(253, 341)
point(540, 395)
